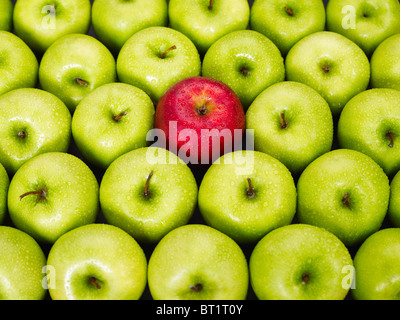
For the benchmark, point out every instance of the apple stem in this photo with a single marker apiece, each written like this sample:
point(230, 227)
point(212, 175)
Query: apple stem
point(211, 5)
point(284, 124)
point(202, 110)
point(390, 136)
point(346, 200)
point(93, 281)
point(165, 53)
point(305, 278)
point(119, 117)
point(244, 71)
point(146, 192)
point(250, 191)
point(81, 82)
point(326, 69)
point(21, 134)
point(289, 11)
point(40, 193)
point(196, 288)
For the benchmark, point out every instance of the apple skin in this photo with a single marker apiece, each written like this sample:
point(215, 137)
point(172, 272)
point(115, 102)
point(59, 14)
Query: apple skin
point(21, 69)
point(394, 202)
point(114, 22)
point(6, 15)
point(246, 61)
point(300, 19)
point(141, 63)
point(172, 188)
point(4, 184)
point(32, 22)
point(73, 57)
point(385, 64)
point(103, 252)
point(375, 21)
point(71, 196)
point(366, 123)
point(182, 103)
point(281, 260)
point(21, 266)
point(43, 120)
point(226, 206)
point(194, 255)
point(345, 192)
point(332, 65)
point(307, 131)
point(376, 263)
point(203, 25)
point(99, 109)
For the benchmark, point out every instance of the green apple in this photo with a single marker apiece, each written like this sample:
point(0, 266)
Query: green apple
point(300, 262)
point(385, 64)
point(247, 207)
point(114, 22)
point(345, 192)
point(22, 262)
point(394, 201)
point(51, 194)
point(4, 184)
point(38, 122)
point(41, 22)
point(74, 66)
point(370, 123)
point(148, 192)
point(286, 22)
point(197, 262)
point(377, 267)
point(156, 58)
point(19, 66)
point(124, 113)
point(97, 262)
point(366, 22)
point(6, 15)
point(292, 123)
point(246, 61)
point(205, 21)
point(331, 64)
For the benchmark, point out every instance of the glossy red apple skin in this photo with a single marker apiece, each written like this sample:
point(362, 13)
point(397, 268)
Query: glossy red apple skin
point(182, 103)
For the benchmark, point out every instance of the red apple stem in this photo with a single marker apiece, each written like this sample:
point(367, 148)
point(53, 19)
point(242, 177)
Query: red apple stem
point(250, 190)
point(196, 288)
point(284, 123)
point(289, 11)
point(166, 52)
point(93, 281)
point(146, 187)
point(390, 136)
point(202, 110)
point(211, 4)
point(119, 117)
point(81, 82)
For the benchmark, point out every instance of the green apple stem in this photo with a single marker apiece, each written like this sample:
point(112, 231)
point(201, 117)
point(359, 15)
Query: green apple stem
point(244, 71)
point(94, 282)
point(166, 52)
point(250, 191)
point(119, 117)
point(196, 288)
point(305, 278)
point(390, 136)
point(326, 68)
point(211, 5)
point(146, 192)
point(289, 11)
point(81, 82)
point(284, 123)
point(42, 194)
point(346, 200)
point(21, 134)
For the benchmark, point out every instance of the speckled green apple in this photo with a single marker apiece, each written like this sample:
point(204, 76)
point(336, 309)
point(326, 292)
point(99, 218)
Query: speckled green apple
point(394, 202)
point(369, 123)
point(97, 262)
point(156, 58)
point(385, 64)
point(247, 206)
point(22, 262)
point(114, 22)
point(300, 262)
point(292, 123)
point(40, 22)
point(18, 64)
point(74, 66)
point(331, 64)
point(299, 18)
point(6, 15)
point(38, 122)
point(197, 262)
point(125, 115)
point(373, 21)
point(51, 194)
point(246, 61)
point(376, 265)
point(345, 192)
point(205, 21)
point(148, 192)
point(4, 184)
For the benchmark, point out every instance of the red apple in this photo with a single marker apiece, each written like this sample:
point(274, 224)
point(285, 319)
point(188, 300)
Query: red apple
point(201, 118)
